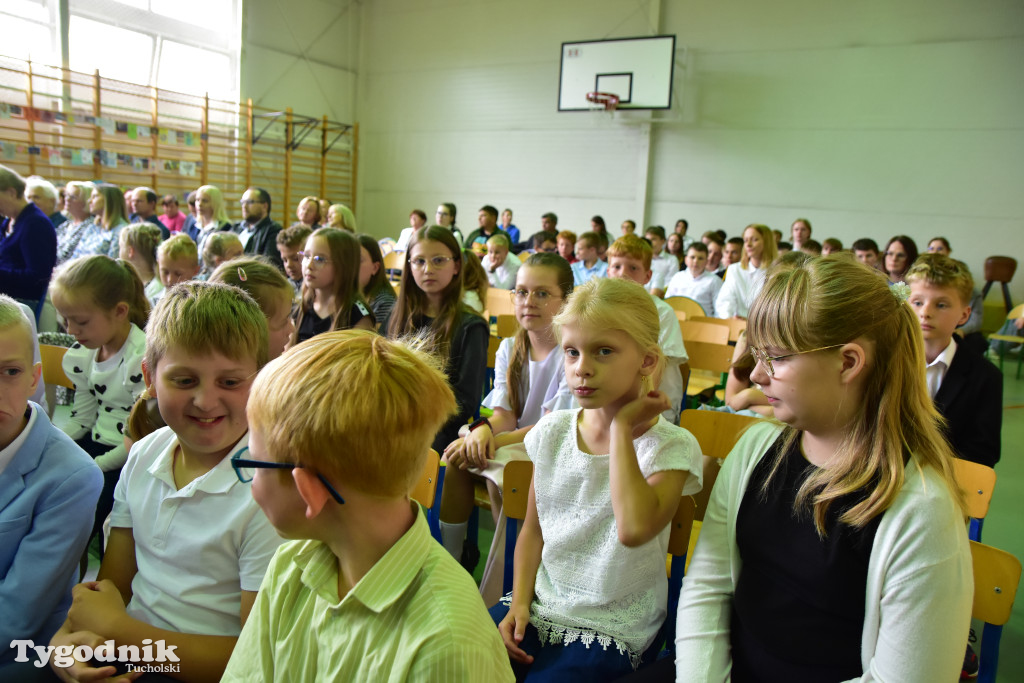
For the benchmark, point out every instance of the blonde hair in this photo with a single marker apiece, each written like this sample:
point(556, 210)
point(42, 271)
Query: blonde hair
point(216, 245)
point(104, 282)
point(613, 304)
point(178, 247)
point(832, 301)
point(144, 238)
point(939, 270)
point(769, 251)
point(378, 436)
point(11, 315)
point(344, 219)
point(220, 214)
point(632, 246)
point(203, 318)
point(260, 279)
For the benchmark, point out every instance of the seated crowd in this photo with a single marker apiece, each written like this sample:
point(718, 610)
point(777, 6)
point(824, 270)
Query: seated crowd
point(254, 403)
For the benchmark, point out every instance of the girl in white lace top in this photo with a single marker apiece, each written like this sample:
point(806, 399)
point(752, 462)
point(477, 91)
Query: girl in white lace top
point(589, 591)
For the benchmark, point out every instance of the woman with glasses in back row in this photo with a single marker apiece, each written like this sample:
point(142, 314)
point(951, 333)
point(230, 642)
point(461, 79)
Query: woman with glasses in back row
point(833, 546)
point(900, 253)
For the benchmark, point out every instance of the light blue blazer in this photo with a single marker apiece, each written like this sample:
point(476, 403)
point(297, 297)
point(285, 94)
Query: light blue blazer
point(48, 497)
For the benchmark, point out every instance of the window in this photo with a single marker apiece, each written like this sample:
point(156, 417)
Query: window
point(118, 53)
point(27, 31)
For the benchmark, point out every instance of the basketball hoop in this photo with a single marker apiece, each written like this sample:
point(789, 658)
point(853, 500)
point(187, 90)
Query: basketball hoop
point(606, 100)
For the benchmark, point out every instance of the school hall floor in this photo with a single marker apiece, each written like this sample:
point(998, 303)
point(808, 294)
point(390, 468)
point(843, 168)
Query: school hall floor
point(1004, 527)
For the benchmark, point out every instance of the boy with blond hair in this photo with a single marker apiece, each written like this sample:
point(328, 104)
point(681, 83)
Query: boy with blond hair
point(629, 258)
point(48, 492)
point(501, 266)
point(362, 592)
point(177, 260)
point(966, 387)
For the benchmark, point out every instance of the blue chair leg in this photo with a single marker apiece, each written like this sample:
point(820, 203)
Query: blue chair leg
point(988, 658)
point(511, 527)
point(434, 513)
point(974, 530)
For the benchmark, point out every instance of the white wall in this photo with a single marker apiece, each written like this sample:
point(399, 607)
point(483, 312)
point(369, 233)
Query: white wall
point(871, 120)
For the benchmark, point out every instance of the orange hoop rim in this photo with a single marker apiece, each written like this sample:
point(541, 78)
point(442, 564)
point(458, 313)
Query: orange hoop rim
point(604, 99)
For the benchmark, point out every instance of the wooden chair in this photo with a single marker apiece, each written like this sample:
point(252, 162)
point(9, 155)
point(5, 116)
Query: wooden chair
point(506, 326)
point(709, 364)
point(735, 325)
point(999, 269)
point(704, 332)
point(686, 305)
point(425, 489)
point(977, 482)
point(493, 343)
point(678, 547)
point(717, 434)
point(394, 262)
point(499, 302)
point(515, 497)
point(53, 371)
point(996, 577)
point(1010, 339)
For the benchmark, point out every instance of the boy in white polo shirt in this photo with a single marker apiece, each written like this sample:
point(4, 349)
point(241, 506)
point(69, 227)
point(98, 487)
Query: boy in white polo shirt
point(696, 282)
point(499, 264)
point(188, 545)
point(663, 264)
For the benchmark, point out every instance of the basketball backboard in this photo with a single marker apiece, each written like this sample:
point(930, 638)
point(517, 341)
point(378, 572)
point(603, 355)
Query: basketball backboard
point(638, 70)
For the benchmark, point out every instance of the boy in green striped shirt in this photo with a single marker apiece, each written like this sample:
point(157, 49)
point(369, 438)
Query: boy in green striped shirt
point(339, 429)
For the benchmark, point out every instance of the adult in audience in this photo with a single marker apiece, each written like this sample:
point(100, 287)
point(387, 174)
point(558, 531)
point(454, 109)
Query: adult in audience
point(900, 254)
point(257, 231)
point(744, 280)
point(142, 201)
point(28, 243)
point(506, 225)
point(417, 219)
point(211, 216)
point(487, 218)
point(445, 216)
point(341, 217)
point(43, 194)
point(106, 204)
point(866, 251)
point(173, 219)
point(548, 228)
point(800, 232)
point(308, 212)
point(76, 204)
point(190, 228)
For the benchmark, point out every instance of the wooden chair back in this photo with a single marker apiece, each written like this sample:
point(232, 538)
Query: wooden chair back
point(686, 305)
point(425, 489)
point(394, 262)
point(53, 372)
point(704, 332)
point(499, 302)
point(717, 434)
point(507, 326)
point(515, 497)
point(996, 578)
point(735, 325)
point(716, 357)
point(678, 546)
point(977, 482)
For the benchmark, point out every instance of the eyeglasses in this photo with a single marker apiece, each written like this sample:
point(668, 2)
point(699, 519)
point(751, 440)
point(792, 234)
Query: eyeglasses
point(241, 465)
point(435, 262)
point(520, 296)
point(316, 260)
point(897, 255)
point(246, 202)
point(443, 213)
point(764, 359)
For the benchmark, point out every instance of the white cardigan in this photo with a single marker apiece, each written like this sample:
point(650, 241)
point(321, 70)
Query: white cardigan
point(919, 584)
point(739, 290)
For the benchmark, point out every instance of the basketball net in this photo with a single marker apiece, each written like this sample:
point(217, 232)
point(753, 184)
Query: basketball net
point(603, 100)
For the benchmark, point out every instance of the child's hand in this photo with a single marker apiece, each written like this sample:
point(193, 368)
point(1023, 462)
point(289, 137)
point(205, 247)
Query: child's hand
point(479, 447)
point(94, 605)
point(512, 629)
point(637, 414)
point(455, 454)
point(83, 671)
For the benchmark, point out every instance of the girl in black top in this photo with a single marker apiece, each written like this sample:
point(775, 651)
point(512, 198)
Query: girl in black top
point(331, 299)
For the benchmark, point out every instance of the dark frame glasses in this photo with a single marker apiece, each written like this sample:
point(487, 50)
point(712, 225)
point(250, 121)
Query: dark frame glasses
point(238, 463)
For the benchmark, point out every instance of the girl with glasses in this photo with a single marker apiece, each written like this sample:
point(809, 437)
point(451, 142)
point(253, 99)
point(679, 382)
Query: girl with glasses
point(529, 382)
point(841, 530)
point(331, 297)
point(430, 306)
